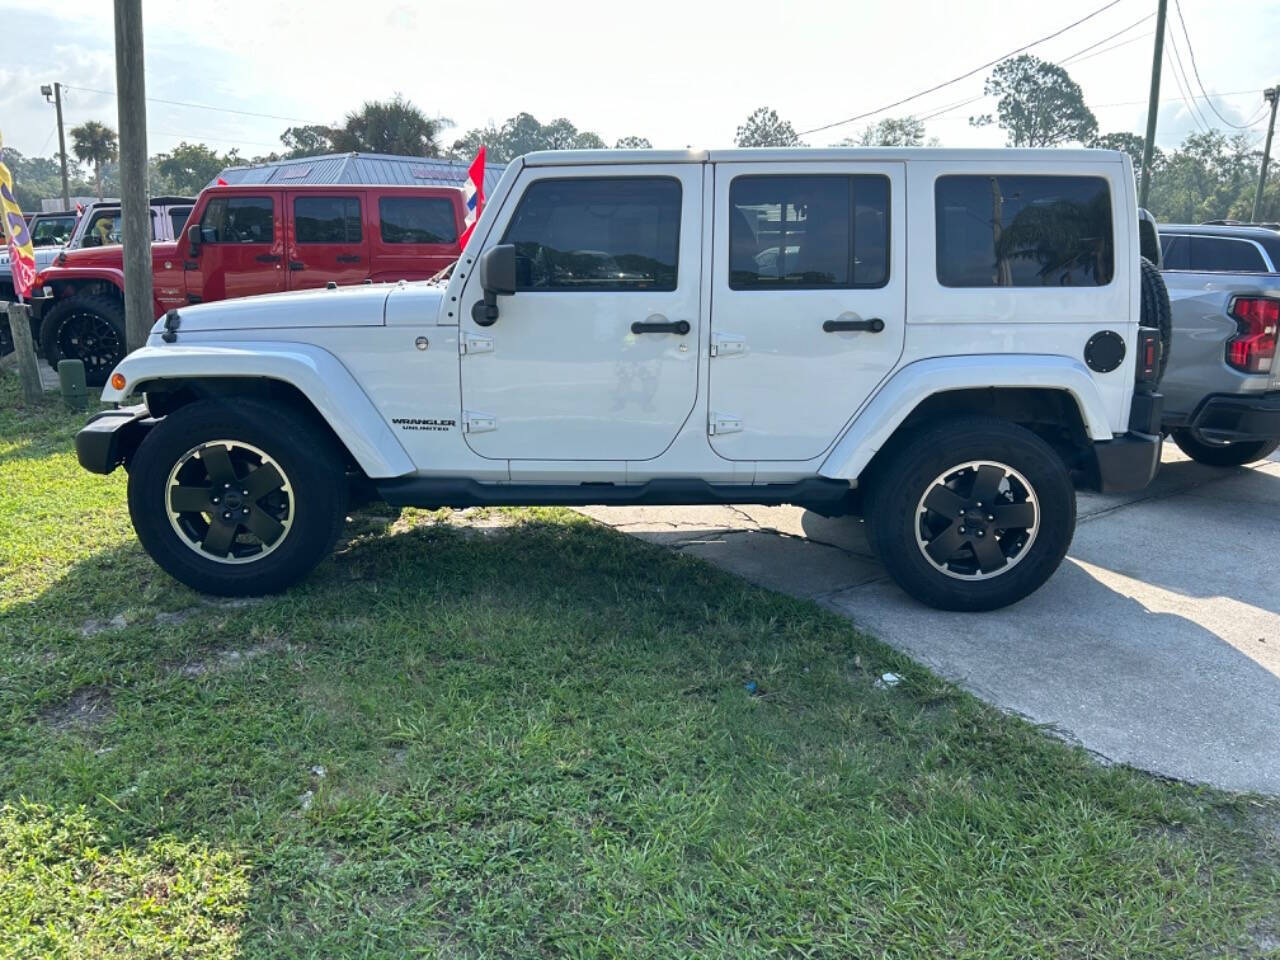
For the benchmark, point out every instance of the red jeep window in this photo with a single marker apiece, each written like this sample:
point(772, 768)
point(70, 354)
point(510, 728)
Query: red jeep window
point(238, 220)
point(417, 220)
point(326, 219)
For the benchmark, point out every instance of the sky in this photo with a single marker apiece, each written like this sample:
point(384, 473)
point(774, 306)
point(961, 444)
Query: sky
point(679, 73)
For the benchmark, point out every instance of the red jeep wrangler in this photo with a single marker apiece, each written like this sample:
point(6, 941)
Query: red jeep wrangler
point(244, 240)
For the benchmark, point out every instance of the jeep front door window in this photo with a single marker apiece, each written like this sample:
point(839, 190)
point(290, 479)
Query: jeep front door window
point(595, 356)
point(240, 250)
point(327, 241)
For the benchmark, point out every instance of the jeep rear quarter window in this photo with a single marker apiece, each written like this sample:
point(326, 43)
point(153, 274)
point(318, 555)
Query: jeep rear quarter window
point(603, 233)
point(238, 220)
point(805, 232)
point(178, 218)
point(106, 228)
point(326, 219)
point(417, 220)
point(1023, 231)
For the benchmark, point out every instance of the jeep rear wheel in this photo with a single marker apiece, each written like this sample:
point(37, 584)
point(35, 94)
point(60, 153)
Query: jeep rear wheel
point(1222, 453)
point(236, 498)
point(973, 513)
point(88, 328)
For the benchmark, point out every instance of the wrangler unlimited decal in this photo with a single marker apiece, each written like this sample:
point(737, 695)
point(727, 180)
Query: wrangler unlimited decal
point(414, 423)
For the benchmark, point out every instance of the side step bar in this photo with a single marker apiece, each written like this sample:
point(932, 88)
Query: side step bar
point(817, 493)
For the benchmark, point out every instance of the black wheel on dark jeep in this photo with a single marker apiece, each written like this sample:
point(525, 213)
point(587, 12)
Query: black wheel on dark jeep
point(971, 513)
point(234, 497)
point(1222, 454)
point(88, 328)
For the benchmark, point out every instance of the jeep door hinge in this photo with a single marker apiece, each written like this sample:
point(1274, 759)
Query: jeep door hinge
point(727, 345)
point(718, 423)
point(473, 422)
point(475, 343)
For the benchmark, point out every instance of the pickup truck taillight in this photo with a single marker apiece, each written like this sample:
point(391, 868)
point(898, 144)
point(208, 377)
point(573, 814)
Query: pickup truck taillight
point(1253, 348)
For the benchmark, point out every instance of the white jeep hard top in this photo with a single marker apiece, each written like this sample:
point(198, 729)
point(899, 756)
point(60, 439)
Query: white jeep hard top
point(942, 341)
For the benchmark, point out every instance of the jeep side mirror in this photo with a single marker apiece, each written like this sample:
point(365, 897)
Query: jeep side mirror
point(497, 268)
point(193, 239)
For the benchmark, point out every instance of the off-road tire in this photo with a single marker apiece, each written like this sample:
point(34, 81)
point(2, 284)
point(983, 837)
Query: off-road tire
point(1223, 454)
point(907, 470)
point(305, 454)
point(1156, 311)
point(109, 346)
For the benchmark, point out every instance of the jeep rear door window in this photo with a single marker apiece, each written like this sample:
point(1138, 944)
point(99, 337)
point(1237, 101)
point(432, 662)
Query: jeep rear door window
point(178, 217)
point(1024, 231)
point(1225, 255)
point(417, 220)
point(326, 219)
point(238, 220)
point(808, 232)
point(606, 233)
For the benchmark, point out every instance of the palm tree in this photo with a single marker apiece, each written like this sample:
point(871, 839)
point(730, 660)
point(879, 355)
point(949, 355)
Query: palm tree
point(394, 126)
point(95, 143)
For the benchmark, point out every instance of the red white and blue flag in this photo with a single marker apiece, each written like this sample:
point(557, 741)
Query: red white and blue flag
point(474, 189)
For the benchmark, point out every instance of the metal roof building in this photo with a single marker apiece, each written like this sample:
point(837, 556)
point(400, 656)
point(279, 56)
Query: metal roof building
point(362, 168)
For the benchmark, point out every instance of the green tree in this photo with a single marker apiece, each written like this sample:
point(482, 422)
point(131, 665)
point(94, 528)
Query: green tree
point(393, 126)
point(1208, 177)
point(1038, 104)
point(308, 140)
point(95, 143)
point(764, 128)
point(189, 167)
point(905, 131)
point(523, 134)
point(632, 143)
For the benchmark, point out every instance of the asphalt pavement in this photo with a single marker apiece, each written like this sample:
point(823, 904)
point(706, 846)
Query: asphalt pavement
point(1156, 644)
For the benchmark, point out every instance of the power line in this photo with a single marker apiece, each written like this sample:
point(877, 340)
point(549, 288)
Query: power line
point(963, 76)
point(1196, 70)
point(1184, 85)
point(1135, 23)
point(1114, 46)
point(198, 106)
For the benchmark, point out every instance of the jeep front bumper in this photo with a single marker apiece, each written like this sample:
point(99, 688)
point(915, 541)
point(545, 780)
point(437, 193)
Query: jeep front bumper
point(110, 438)
point(1233, 417)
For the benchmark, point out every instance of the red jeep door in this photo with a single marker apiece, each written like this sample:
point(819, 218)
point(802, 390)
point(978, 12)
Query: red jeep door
point(241, 249)
point(327, 239)
point(416, 232)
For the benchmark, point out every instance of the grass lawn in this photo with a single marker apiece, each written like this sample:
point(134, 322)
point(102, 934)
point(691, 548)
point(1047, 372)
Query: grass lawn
point(525, 735)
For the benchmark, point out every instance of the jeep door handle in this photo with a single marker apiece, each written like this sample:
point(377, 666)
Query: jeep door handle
point(347, 258)
point(874, 325)
point(661, 326)
point(268, 258)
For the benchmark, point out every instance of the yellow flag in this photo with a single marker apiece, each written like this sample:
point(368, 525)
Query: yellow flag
point(21, 255)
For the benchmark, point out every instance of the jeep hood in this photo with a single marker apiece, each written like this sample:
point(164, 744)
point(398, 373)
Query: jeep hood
point(359, 305)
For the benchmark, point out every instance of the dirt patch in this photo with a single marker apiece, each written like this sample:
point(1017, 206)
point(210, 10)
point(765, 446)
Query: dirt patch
point(86, 709)
point(222, 661)
point(93, 627)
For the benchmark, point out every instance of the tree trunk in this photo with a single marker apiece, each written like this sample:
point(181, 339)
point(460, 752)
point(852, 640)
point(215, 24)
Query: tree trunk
point(97, 177)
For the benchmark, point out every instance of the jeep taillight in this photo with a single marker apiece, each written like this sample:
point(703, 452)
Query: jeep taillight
point(1148, 355)
point(1253, 347)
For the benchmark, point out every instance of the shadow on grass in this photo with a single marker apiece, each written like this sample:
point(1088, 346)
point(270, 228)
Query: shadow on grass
point(549, 738)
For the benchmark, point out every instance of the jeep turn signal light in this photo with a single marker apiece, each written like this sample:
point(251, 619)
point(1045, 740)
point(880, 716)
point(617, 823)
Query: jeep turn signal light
point(117, 381)
point(1253, 348)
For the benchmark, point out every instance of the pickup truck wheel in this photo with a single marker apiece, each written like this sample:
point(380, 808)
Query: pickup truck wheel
point(235, 497)
point(1222, 454)
point(973, 513)
point(87, 328)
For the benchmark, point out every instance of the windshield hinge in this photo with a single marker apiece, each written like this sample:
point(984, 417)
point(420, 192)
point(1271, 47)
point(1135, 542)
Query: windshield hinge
point(475, 343)
point(718, 423)
point(727, 345)
point(473, 422)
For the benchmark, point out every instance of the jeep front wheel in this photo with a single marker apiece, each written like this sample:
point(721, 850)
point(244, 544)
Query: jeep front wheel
point(88, 328)
point(237, 498)
point(973, 513)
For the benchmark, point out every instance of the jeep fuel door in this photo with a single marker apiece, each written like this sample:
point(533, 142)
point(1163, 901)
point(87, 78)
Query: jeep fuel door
point(595, 356)
point(808, 301)
point(241, 249)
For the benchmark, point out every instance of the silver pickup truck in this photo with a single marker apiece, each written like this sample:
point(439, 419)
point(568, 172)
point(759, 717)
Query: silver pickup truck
point(1222, 386)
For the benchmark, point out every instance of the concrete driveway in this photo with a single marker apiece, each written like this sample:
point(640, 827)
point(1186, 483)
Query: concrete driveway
point(1156, 644)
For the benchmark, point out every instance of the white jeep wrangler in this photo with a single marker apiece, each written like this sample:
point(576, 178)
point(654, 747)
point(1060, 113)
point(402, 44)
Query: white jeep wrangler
point(941, 341)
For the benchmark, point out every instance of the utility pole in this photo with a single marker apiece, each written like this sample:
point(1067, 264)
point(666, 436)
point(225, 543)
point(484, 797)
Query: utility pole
point(135, 205)
point(1272, 96)
point(56, 90)
point(1153, 106)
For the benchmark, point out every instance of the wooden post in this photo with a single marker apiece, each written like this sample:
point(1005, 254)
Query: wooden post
point(135, 205)
point(24, 349)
